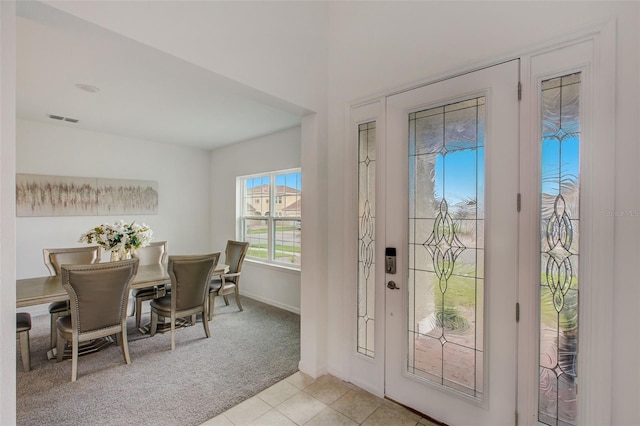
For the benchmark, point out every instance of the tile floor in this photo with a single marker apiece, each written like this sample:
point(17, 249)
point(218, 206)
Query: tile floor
point(326, 401)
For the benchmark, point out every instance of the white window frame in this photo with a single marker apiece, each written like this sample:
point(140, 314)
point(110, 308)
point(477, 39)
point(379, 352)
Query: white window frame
point(272, 218)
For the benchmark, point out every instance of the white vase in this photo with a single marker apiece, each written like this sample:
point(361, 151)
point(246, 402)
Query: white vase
point(115, 256)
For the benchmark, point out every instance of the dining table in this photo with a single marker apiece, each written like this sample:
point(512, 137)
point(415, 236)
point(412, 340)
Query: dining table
point(48, 289)
point(42, 290)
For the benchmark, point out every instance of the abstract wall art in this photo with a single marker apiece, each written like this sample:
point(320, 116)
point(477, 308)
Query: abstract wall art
point(44, 195)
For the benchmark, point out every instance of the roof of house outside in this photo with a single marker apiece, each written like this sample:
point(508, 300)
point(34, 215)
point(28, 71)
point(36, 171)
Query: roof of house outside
point(280, 190)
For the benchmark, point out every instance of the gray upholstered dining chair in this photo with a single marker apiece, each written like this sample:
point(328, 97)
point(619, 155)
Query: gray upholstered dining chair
point(154, 254)
point(99, 296)
point(23, 325)
point(229, 283)
point(53, 258)
point(190, 277)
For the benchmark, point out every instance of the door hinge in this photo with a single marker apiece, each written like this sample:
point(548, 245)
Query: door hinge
point(519, 202)
point(519, 91)
point(517, 312)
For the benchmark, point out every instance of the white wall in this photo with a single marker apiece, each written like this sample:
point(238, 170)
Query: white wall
point(278, 151)
point(183, 185)
point(7, 212)
point(379, 47)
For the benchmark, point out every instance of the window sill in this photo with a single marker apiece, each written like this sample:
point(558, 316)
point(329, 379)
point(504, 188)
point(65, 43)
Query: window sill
point(273, 266)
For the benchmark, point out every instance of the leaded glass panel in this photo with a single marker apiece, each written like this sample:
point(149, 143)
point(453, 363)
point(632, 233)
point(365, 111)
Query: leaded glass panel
point(446, 245)
point(366, 238)
point(560, 160)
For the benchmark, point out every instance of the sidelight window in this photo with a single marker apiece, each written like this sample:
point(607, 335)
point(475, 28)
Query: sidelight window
point(559, 200)
point(366, 238)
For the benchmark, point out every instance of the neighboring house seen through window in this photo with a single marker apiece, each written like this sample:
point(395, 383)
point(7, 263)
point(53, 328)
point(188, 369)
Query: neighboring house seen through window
point(269, 206)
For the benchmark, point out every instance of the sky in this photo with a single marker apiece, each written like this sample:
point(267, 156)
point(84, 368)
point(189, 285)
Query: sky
point(292, 180)
point(456, 171)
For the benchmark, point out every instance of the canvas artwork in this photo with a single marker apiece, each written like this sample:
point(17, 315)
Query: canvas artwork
point(117, 196)
point(43, 195)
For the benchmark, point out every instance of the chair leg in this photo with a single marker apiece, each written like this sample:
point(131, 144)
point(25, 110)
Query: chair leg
point(25, 352)
point(125, 345)
point(212, 302)
point(74, 360)
point(59, 347)
point(226, 299)
point(205, 314)
point(138, 309)
point(173, 331)
point(54, 329)
point(238, 299)
point(154, 324)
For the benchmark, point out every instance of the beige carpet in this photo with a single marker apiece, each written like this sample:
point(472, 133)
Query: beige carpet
point(248, 351)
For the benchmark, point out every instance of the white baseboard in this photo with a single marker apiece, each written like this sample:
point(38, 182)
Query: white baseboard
point(271, 302)
point(310, 370)
point(368, 387)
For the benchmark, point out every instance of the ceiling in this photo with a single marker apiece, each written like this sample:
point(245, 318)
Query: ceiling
point(142, 92)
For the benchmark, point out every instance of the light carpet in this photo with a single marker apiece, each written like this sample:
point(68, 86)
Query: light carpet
point(248, 351)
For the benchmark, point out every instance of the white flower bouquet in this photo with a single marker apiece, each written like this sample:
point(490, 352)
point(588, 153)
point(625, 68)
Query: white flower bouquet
point(121, 238)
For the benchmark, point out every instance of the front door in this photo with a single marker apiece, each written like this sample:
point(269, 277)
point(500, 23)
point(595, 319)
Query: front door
point(451, 214)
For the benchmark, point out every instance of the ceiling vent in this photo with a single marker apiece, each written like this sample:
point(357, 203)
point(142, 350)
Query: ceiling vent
point(61, 118)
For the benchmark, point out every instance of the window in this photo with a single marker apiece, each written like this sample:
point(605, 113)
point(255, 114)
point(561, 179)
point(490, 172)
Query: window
point(366, 238)
point(559, 199)
point(269, 207)
point(446, 234)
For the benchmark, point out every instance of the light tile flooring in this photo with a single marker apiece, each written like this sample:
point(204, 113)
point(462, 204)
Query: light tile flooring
point(327, 401)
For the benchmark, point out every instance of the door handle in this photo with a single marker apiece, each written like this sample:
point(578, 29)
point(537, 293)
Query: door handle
point(392, 285)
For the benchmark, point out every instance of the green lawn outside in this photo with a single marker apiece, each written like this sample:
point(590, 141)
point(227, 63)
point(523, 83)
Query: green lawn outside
point(264, 230)
point(279, 248)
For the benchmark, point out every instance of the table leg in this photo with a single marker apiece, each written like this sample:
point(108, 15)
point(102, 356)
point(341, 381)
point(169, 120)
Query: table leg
point(83, 349)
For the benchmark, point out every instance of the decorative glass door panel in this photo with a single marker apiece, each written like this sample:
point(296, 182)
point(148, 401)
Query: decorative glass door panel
point(560, 149)
point(366, 238)
point(446, 245)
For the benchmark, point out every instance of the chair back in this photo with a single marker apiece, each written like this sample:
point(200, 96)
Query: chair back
point(98, 293)
point(55, 257)
point(190, 277)
point(234, 255)
point(153, 254)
